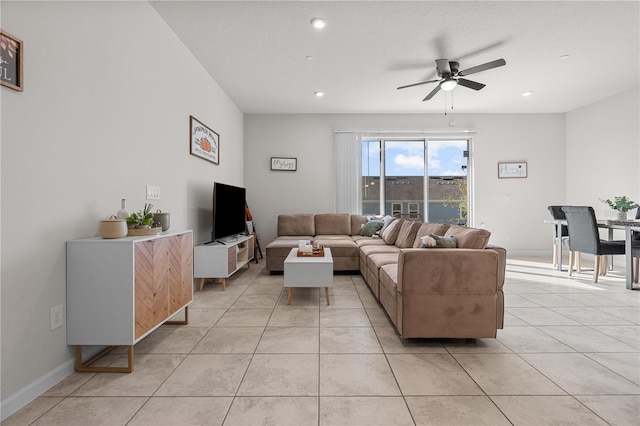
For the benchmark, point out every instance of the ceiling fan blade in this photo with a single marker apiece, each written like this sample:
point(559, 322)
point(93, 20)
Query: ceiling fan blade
point(432, 94)
point(470, 84)
point(443, 66)
point(480, 50)
point(417, 84)
point(483, 67)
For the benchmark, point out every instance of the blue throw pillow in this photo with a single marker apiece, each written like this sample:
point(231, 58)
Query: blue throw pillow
point(370, 228)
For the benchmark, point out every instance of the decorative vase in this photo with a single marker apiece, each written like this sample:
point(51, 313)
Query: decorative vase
point(622, 216)
point(123, 213)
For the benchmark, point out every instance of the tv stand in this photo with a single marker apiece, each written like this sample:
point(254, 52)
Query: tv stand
point(222, 260)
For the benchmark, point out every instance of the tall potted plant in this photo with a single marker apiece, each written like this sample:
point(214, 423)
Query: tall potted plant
point(621, 205)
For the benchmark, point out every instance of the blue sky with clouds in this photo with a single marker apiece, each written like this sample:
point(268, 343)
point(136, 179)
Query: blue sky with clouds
point(406, 158)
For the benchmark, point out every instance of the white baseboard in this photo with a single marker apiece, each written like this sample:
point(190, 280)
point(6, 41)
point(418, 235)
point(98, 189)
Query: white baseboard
point(13, 403)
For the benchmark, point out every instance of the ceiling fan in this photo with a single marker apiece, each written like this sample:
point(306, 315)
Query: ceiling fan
point(450, 76)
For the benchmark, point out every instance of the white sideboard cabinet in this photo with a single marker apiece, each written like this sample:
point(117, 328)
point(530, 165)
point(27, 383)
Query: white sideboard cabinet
point(120, 290)
point(221, 260)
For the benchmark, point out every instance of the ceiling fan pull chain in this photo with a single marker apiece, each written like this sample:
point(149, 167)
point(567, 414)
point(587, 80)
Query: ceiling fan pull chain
point(445, 103)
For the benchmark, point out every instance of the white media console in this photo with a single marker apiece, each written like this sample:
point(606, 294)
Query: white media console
point(221, 260)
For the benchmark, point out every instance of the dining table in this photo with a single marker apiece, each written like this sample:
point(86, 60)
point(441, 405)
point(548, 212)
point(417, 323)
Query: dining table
point(628, 226)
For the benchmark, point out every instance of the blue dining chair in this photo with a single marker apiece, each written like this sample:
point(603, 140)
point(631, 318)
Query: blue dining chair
point(585, 238)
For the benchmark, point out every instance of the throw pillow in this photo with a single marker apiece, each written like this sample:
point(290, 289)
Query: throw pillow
point(387, 220)
point(466, 237)
point(407, 234)
point(371, 227)
point(390, 233)
point(437, 241)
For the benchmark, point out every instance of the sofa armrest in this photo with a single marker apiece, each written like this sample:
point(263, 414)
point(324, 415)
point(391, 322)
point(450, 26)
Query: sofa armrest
point(450, 271)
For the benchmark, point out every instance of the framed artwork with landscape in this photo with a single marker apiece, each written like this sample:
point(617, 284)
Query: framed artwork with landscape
point(203, 142)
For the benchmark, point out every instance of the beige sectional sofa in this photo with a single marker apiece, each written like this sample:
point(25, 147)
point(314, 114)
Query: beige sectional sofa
point(427, 292)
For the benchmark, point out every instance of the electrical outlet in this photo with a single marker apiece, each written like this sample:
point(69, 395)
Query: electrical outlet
point(153, 192)
point(57, 316)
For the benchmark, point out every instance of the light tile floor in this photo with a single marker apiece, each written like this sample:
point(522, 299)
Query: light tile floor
point(569, 354)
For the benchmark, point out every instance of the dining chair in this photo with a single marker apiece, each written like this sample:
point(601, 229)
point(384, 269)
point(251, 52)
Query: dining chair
point(558, 214)
point(585, 238)
point(636, 251)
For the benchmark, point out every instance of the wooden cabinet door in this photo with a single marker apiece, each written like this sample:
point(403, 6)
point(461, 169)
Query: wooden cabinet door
point(180, 271)
point(151, 284)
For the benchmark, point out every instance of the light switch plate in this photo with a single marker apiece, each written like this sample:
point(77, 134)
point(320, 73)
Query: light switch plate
point(153, 192)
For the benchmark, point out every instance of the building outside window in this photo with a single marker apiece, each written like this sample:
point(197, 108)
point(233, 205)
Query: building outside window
point(399, 175)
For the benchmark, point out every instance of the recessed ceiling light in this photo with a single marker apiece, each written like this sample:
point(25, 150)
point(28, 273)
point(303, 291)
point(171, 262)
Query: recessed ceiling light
point(563, 57)
point(527, 93)
point(309, 58)
point(318, 23)
point(319, 94)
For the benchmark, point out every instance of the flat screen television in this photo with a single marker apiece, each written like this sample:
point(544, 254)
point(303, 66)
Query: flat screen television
point(228, 211)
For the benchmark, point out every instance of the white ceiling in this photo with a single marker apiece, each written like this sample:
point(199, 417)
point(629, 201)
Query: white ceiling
point(256, 51)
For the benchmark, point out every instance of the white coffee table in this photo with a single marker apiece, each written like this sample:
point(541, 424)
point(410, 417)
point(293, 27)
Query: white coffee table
point(308, 271)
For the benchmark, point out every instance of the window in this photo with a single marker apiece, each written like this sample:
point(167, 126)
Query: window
point(398, 174)
point(414, 211)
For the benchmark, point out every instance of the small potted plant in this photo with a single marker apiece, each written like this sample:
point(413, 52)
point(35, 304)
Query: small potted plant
point(621, 205)
point(142, 219)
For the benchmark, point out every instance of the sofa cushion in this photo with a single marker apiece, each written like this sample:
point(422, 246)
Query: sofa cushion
point(332, 224)
point(377, 260)
point(366, 251)
point(368, 241)
point(387, 220)
point(407, 234)
point(429, 228)
point(390, 233)
point(341, 247)
point(370, 228)
point(356, 223)
point(437, 241)
point(296, 224)
point(466, 237)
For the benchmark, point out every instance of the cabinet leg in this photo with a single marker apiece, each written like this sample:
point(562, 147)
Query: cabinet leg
point(326, 294)
point(85, 366)
point(184, 322)
point(201, 283)
point(289, 295)
point(224, 284)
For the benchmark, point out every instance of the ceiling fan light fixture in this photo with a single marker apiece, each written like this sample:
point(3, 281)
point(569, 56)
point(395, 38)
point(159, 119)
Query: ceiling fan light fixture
point(318, 23)
point(448, 84)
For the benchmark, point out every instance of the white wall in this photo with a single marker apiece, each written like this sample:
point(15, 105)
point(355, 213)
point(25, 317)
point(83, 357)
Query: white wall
point(516, 207)
point(105, 111)
point(603, 151)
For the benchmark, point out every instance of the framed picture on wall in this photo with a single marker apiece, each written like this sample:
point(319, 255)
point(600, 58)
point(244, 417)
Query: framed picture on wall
point(512, 170)
point(203, 142)
point(287, 164)
point(11, 57)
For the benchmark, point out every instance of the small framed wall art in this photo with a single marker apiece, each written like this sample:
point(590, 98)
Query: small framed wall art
point(287, 164)
point(203, 142)
point(508, 170)
point(11, 57)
